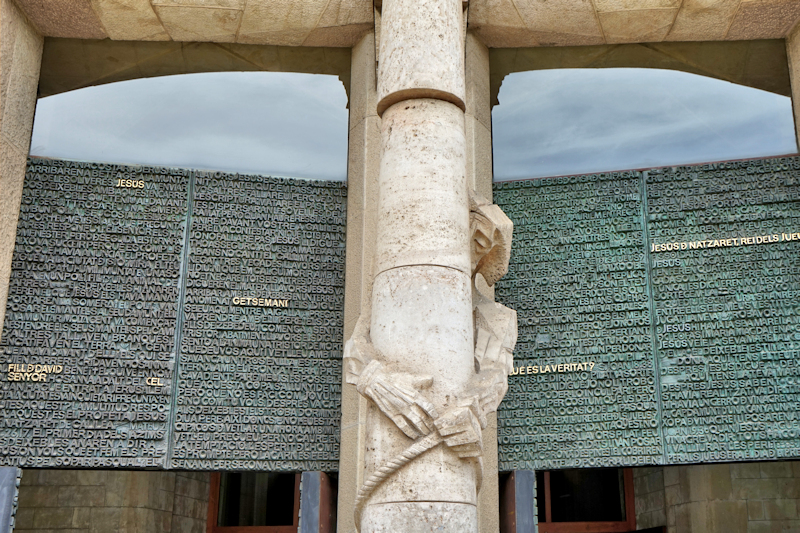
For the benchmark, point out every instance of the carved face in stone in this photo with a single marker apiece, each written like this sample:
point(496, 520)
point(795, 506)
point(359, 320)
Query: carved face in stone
point(491, 233)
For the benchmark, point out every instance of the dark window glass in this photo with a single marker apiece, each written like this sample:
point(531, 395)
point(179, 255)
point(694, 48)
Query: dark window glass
point(586, 495)
point(256, 499)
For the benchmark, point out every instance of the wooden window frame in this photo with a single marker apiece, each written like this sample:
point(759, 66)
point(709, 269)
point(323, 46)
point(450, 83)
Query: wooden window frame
point(626, 526)
point(213, 512)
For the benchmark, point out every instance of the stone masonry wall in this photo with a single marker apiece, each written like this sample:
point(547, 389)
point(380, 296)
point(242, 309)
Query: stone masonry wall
point(733, 498)
point(94, 501)
point(648, 490)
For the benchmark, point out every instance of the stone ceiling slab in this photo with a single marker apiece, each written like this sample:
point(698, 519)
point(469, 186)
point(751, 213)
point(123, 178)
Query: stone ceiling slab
point(343, 23)
point(635, 5)
point(554, 21)
point(764, 19)
point(500, 13)
point(505, 36)
point(216, 4)
point(640, 26)
point(337, 36)
point(130, 20)
point(703, 20)
point(280, 22)
point(64, 18)
point(346, 13)
point(200, 23)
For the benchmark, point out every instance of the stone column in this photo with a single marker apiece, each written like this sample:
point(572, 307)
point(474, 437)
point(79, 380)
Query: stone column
point(429, 350)
point(478, 132)
point(20, 59)
point(422, 296)
point(362, 198)
point(793, 55)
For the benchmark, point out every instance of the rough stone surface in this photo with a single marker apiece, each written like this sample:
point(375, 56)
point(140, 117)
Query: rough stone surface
point(421, 52)
point(130, 20)
point(362, 192)
point(477, 131)
point(581, 22)
point(422, 213)
point(102, 501)
point(763, 19)
point(649, 497)
point(275, 22)
point(737, 497)
point(500, 23)
point(793, 55)
point(64, 18)
point(189, 23)
point(703, 20)
point(20, 59)
point(637, 26)
point(281, 22)
point(423, 517)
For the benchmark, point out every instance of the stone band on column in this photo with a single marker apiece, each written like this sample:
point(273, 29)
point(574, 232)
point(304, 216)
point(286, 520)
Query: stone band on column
point(421, 52)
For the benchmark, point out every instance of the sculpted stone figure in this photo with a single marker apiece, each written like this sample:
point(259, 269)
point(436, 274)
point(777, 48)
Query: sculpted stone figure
point(401, 396)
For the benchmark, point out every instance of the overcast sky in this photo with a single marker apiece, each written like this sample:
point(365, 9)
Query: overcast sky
point(252, 122)
point(548, 123)
point(570, 121)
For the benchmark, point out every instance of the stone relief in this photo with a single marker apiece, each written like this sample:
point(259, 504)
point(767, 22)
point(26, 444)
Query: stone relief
point(401, 396)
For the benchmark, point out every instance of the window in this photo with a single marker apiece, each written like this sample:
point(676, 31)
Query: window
point(578, 501)
point(254, 502)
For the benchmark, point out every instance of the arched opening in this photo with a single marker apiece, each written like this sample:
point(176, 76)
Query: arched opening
point(576, 121)
point(275, 123)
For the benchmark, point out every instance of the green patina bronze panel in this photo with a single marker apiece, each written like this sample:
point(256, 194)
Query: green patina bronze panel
point(89, 334)
point(583, 391)
point(260, 363)
point(725, 255)
point(115, 266)
point(715, 373)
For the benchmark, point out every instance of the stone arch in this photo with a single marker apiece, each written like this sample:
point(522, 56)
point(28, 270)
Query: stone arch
point(69, 64)
point(760, 64)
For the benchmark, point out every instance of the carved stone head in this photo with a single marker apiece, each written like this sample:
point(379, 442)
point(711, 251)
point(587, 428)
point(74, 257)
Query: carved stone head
point(491, 231)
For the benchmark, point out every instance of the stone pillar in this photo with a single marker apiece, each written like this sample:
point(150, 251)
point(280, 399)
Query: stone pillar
point(478, 133)
point(362, 219)
point(793, 55)
point(430, 350)
point(20, 59)
point(422, 298)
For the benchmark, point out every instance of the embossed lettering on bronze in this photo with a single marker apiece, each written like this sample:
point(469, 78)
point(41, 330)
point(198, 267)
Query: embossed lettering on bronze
point(586, 392)
point(88, 374)
point(89, 334)
point(722, 287)
point(260, 361)
point(727, 316)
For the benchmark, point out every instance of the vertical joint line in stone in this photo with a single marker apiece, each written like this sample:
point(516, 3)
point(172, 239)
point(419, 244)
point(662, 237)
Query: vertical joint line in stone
point(179, 317)
point(651, 302)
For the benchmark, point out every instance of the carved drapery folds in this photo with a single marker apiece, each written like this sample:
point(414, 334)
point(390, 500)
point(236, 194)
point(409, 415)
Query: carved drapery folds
point(401, 396)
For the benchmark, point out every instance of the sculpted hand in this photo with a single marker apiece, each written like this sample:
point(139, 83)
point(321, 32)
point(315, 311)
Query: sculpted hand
point(489, 387)
point(399, 400)
point(461, 430)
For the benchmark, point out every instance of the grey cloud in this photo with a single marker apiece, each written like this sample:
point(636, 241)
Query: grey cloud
point(252, 122)
point(556, 122)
